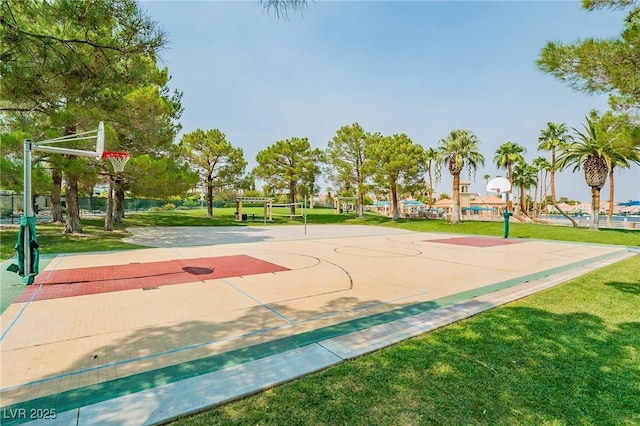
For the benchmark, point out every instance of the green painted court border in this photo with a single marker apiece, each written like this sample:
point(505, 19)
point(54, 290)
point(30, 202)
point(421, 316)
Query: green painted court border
point(92, 394)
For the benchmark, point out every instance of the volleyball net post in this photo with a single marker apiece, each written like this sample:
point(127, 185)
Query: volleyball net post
point(300, 208)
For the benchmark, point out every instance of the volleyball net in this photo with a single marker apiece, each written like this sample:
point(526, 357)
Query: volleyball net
point(292, 211)
point(285, 210)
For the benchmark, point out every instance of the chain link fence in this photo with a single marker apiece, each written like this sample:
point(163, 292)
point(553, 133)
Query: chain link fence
point(11, 206)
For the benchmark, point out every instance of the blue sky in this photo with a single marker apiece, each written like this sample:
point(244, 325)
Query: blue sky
point(422, 68)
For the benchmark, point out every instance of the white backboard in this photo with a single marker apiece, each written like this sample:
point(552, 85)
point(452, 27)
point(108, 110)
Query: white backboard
point(100, 141)
point(499, 185)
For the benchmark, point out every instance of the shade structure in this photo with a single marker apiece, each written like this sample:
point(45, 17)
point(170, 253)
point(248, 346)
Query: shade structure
point(27, 266)
point(477, 208)
point(630, 203)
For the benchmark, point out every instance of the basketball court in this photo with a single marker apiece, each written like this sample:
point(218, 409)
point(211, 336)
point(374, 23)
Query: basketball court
point(96, 327)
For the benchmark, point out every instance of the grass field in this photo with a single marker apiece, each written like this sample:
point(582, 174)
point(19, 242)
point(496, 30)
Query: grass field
point(52, 240)
point(566, 356)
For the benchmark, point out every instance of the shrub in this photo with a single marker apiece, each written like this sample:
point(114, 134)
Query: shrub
point(190, 204)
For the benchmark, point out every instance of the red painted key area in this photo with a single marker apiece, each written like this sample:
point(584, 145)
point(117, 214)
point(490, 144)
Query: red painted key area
point(104, 279)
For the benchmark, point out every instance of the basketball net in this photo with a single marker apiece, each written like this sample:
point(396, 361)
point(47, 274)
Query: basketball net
point(117, 159)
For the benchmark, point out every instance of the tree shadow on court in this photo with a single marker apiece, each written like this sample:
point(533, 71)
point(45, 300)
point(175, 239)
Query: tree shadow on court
point(152, 356)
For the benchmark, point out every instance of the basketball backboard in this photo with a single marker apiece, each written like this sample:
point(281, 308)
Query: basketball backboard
point(499, 185)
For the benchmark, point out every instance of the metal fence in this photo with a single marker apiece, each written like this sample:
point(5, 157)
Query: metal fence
point(11, 206)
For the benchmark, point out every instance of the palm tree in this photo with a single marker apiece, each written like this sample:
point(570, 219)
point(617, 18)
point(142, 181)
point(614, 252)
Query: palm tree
point(589, 151)
point(486, 180)
point(552, 138)
point(506, 155)
point(431, 156)
point(622, 150)
point(458, 148)
point(543, 167)
point(524, 177)
point(621, 155)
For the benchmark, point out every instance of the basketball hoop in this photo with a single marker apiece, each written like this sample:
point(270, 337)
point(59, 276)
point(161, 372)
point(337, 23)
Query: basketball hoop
point(499, 185)
point(117, 159)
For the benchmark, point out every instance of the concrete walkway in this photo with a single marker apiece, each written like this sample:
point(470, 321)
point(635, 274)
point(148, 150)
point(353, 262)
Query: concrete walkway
point(147, 355)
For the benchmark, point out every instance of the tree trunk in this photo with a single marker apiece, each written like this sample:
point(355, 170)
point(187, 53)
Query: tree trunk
point(430, 189)
point(539, 196)
point(545, 191)
point(553, 195)
point(108, 218)
point(73, 225)
point(209, 198)
point(595, 208)
point(119, 200)
point(523, 204)
point(360, 192)
point(292, 200)
point(56, 203)
point(394, 202)
point(611, 196)
point(455, 201)
point(536, 210)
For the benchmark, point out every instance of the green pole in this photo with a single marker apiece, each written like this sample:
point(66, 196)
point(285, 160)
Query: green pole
point(506, 215)
point(27, 208)
point(27, 244)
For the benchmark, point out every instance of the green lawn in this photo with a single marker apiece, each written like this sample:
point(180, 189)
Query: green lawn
point(52, 240)
point(95, 238)
point(623, 237)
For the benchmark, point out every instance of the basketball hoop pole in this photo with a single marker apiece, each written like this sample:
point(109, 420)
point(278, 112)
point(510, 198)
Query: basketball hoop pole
point(506, 215)
point(27, 244)
point(502, 186)
point(27, 209)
